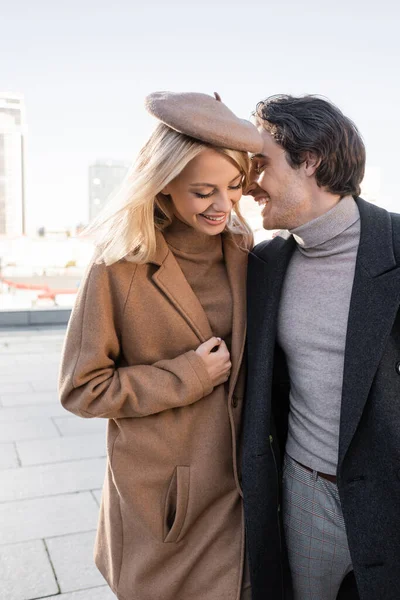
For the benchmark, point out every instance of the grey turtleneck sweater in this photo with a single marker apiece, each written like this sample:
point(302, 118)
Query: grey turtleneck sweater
point(312, 328)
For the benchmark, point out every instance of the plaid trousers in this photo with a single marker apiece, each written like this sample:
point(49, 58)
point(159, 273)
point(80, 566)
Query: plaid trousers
point(315, 533)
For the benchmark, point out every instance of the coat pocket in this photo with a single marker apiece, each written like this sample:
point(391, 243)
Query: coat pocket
point(176, 504)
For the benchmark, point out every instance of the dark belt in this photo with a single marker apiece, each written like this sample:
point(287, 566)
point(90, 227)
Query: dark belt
point(331, 478)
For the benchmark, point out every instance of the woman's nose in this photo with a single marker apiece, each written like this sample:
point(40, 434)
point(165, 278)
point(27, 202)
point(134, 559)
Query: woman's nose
point(223, 203)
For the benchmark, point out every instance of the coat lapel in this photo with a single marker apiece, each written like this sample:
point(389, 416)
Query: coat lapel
point(236, 267)
point(171, 280)
point(373, 307)
point(267, 270)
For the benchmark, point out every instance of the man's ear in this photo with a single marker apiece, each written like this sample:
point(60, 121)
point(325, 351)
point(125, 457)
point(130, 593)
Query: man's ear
point(311, 163)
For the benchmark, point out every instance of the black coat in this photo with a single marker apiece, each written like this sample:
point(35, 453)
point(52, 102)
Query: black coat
point(369, 442)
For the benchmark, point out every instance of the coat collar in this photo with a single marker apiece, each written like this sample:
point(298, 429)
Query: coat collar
point(236, 265)
point(375, 252)
point(373, 308)
point(266, 273)
point(171, 280)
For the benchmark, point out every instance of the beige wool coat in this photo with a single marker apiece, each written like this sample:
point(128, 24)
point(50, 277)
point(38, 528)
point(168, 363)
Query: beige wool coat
point(171, 524)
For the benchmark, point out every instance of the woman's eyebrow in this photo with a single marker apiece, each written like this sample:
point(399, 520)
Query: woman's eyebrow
point(237, 177)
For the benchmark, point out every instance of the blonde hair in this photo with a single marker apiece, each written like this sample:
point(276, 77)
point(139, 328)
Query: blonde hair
point(128, 223)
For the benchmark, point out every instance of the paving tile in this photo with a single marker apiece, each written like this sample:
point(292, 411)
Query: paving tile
point(41, 358)
point(8, 456)
point(14, 388)
point(72, 558)
point(6, 360)
point(78, 426)
point(97, 495)
point(23, 336)
point(25, 572)
point(46, 384)
point(35, 343)
point(15, 375)
point(31, 398)
point(23, 413)
point(30, 429)
point(47, 517)
point(24, 348)
point(99, 593)
point(40, 452)
point(31, 360)
point(27, 373)
point(51, 480)
point(9, 371)
point(29, 333)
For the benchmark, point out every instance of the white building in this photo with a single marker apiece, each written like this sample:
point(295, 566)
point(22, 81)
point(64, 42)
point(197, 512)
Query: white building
point(12, 189)
point(105, 176)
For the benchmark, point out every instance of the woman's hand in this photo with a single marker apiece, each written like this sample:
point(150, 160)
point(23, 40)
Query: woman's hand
point(216, 357)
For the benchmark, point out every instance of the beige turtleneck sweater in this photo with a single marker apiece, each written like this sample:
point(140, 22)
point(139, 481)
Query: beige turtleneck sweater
point(201, 258)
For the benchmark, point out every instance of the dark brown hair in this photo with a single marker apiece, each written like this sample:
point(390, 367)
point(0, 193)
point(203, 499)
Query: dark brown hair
point(310, 124)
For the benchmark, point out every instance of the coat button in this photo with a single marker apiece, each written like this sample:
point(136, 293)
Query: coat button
point(398, 368)
point(234, 401)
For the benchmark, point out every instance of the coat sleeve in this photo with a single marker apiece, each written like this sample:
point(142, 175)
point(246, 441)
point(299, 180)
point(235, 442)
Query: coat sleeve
point(90, 383)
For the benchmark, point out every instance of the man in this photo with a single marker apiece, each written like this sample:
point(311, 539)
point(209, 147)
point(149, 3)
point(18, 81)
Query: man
point(323, 392)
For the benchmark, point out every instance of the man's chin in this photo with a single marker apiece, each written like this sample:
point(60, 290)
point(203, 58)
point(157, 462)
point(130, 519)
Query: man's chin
point(268, 225)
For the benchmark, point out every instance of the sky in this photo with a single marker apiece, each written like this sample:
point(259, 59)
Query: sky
point(85, 67)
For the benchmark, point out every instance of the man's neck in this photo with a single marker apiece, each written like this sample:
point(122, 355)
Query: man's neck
point(321, 203)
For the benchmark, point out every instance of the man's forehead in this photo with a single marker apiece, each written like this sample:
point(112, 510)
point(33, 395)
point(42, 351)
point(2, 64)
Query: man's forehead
point(271, 149)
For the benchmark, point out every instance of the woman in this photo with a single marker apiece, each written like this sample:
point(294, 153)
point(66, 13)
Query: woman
point(155, 344)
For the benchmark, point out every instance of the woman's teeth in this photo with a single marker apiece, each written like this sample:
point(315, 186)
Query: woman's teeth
point(214, 218)
point(262, 201)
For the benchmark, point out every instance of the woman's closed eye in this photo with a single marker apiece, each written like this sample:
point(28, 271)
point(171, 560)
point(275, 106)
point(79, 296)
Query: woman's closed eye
point(198, 195)
point(231, 187)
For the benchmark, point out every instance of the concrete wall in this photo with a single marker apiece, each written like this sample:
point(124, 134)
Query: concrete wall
point(27, 318)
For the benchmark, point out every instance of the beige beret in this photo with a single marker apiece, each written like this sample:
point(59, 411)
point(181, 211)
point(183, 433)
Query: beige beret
point(205, 118)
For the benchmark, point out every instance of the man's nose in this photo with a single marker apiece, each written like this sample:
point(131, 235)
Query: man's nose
point(250, 188)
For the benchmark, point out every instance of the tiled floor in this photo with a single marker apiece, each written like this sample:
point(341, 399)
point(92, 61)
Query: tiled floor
point(51, 471)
